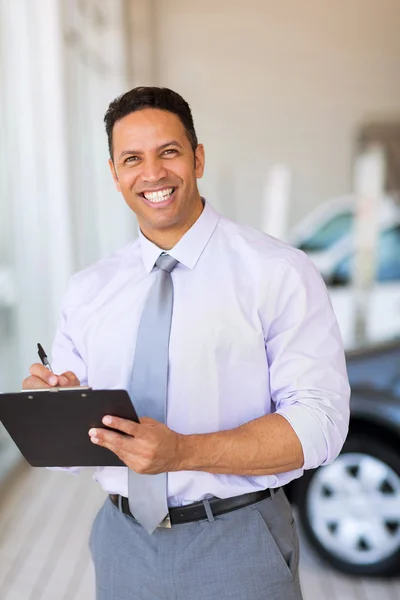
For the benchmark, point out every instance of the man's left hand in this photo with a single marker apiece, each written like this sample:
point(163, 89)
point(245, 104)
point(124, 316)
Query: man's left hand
point(148, 447)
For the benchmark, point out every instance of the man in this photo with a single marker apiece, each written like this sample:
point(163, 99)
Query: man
point(226, 340)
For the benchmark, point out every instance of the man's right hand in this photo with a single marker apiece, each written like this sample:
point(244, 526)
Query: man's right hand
point(40, 377)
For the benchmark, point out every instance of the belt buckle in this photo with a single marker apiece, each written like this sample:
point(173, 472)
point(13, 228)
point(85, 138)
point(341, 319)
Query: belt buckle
point(165, 523)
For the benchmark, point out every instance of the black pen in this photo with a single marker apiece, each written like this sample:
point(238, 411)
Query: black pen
point(43, 358)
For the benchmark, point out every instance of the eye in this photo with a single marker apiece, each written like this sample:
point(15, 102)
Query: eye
point(131, 159)
point(170, 151)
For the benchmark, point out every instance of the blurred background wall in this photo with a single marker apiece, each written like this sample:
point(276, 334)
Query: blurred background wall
point(279, 81)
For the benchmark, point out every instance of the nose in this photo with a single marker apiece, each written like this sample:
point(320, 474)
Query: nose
point(153, 170)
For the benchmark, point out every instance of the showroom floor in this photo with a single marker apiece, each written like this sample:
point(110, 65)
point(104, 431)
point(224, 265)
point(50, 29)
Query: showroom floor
point(44, 555)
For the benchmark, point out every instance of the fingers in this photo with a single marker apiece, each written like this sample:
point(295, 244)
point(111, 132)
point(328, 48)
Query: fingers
point(43, 378)
point(68, 379)
point(151, 450)
point(116, 442)
point(129, 427)
point(34, 383)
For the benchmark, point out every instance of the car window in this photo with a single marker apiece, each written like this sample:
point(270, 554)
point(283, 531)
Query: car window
point(388, 259)
point(389, 255)
point(329, 233)
point(342, 273)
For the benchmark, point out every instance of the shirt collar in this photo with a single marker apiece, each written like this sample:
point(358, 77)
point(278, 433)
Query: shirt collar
point(190, 247)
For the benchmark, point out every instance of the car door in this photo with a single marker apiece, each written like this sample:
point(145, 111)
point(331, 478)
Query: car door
point(383, 312)
point(384, 309)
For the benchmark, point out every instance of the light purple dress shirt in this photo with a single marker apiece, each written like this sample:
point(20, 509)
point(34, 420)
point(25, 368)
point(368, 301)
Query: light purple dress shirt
point(253, 332)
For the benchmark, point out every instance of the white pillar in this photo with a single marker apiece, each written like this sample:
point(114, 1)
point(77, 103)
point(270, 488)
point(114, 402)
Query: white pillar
point(51, 83)
point(276, 201)
point(34, 87)
point(369, 179)
point(22, 155)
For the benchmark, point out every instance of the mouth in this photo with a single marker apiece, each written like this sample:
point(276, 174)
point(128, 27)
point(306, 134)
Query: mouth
point(158, 198)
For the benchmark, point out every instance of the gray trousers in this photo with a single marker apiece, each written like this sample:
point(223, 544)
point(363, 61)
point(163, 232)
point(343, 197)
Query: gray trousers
point(248, 554)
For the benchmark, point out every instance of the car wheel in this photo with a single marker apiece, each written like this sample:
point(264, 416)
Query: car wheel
point(350, 510)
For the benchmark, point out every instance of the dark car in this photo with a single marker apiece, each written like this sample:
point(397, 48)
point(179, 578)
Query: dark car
point(350, 510)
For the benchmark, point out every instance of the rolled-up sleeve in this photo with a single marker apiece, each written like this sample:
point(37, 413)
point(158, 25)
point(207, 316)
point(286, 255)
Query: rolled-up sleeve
point(308, 377)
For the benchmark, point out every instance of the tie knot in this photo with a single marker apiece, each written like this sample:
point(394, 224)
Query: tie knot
point(166, 262)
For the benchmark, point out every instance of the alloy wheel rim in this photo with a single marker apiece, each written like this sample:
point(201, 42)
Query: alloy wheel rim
point(353, 508)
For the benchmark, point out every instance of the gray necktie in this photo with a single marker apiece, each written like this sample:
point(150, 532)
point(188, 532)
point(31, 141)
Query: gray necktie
point(148, 493)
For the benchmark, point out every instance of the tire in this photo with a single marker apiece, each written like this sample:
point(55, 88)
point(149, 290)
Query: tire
point(350, 510)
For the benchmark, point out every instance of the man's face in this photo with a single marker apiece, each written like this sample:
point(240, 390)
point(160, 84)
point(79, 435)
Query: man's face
point(156, 170)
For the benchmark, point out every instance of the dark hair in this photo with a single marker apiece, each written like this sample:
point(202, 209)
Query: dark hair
point(149, 97)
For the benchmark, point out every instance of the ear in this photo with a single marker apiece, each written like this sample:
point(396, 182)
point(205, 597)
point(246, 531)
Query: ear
point(114, 174)
point(199, 161)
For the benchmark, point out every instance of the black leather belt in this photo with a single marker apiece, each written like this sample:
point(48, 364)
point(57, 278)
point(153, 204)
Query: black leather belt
point(197, 511)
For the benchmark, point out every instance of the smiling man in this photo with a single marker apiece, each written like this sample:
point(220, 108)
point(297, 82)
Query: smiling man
point(226, 340)
point(155, 165)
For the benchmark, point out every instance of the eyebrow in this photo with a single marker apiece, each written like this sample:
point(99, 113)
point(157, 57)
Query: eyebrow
point(171, 143)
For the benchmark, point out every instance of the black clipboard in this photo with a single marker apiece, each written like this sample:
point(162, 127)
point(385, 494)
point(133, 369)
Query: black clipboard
point(50, 427)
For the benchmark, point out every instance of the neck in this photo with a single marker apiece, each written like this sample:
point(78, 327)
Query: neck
point(168, 238)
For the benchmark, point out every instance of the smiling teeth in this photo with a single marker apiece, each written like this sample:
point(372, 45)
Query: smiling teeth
point(160, 196)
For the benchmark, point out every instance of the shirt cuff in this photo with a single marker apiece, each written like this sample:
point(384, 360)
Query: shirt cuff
point(72, 470)
point(309, 431)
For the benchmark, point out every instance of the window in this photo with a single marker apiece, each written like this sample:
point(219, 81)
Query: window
point(388, 268)
point(389, 255)
point(329, 233)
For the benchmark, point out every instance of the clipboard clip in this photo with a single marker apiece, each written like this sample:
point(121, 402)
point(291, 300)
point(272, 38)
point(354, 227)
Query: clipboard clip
point(58, 389)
